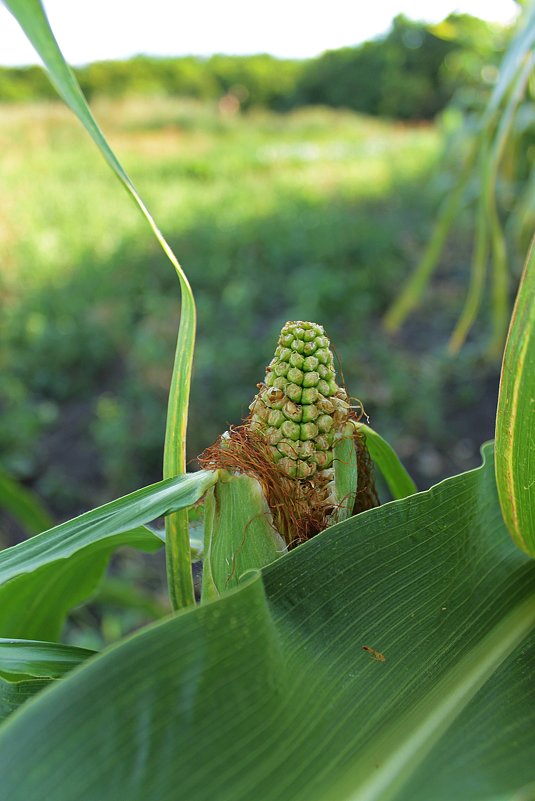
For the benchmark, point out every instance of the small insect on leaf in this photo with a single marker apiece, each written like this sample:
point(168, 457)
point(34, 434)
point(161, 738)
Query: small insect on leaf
point(377, 655)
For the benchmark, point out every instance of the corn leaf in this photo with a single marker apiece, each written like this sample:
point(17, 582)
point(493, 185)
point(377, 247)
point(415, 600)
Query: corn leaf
point(387, 461)
point(483, 160)
point(391, 657)
point(42, 578)
point(515, 421)
point(13, 694)
point(238, 531)
point(27, 666)
point(21, 660)
point(32, 19)
point(23, 505)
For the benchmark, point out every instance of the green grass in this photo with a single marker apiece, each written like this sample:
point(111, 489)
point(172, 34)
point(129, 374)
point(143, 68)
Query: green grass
point(313, 215)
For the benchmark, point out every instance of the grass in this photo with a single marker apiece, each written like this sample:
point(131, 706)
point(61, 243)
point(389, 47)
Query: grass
point(255, 207)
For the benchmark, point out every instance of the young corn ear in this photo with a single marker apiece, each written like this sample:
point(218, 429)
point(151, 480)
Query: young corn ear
point(300, 441)
point(306, 418)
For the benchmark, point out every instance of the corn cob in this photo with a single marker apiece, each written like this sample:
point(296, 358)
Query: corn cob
point(300, 439)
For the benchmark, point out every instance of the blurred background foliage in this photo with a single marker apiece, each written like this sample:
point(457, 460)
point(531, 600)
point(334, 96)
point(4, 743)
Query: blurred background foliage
point(411, 73)
point(288, 190)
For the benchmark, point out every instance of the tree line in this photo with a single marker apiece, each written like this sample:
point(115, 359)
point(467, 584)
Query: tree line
point(410, 73)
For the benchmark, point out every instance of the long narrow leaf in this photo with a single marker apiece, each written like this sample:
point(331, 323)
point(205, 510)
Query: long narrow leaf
point(515, 421)
point(386, 459)
point(23, 505)
point(517, 51)
point(488, 227)
point(411, 294)
point(31, 17)
point(480, 256)
point(36, 659)
point(42, 578)
point(390, 657)
point(500, 295)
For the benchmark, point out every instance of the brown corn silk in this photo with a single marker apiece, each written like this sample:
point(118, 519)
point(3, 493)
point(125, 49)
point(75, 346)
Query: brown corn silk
point(287, 441)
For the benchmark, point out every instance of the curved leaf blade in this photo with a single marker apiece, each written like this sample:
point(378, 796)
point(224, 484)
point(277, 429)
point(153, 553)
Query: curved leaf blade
point(274, 681)
point(14, 694)
point(23, 505)
point(42, 578)
point(515, 420)
point(28, 666)
point(37, 659)
point(386, 459)
point(32, 19)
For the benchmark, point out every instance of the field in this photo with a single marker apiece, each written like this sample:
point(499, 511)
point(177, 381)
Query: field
point(317, 214)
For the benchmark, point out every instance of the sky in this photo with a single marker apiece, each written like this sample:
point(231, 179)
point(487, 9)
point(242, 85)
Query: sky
point(91, 30)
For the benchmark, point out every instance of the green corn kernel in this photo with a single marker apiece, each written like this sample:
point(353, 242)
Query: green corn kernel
point(296, 360)
point(288, 466)
point(325, 405)
point(309, 395)
point(275, 418)
point(322, 443)
point(274, 435)
point(308, 431)
point(275, 454)
point(295, 375)
point(323, 459)
point(310, 379)
point(323, 356)
point(288, 449)
point(305, 449)
point(292, 411)
point(333, 387)
point(324, 423)
point(284, 354)
point(323, 388)
point(294, 392)
point(305, 469)
point(310, 363)
point(290, 429)
point(309, 413)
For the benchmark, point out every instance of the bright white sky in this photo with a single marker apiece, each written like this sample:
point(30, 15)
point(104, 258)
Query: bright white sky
point(90, 30)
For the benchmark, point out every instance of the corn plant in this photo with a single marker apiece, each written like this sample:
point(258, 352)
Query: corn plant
point(494, 148)
point(382, 654)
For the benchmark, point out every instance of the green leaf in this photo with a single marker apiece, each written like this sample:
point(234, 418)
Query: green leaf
point(272, 684)
point(23, 505)
point(345, 478)
point(22, 660)
point(239, 533)
point(32, 19)
point(42, 578)
point(515, 421)
point(28, 666)
point(483, 159)
point(15, 694)
point(386, 459)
